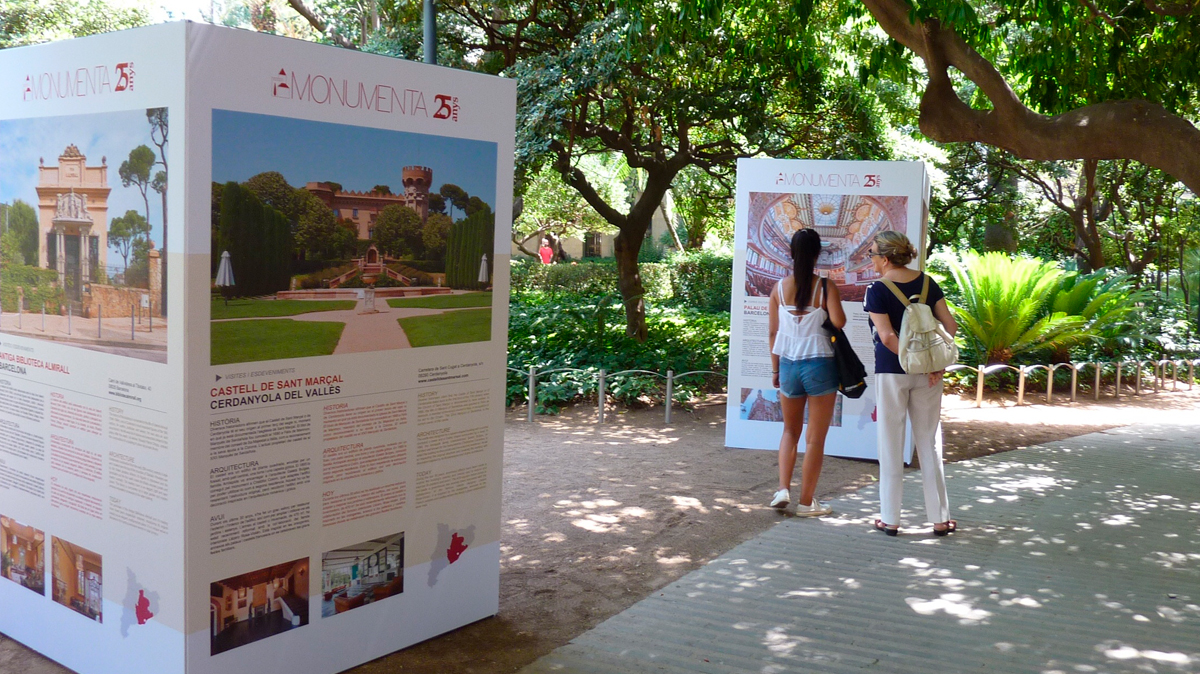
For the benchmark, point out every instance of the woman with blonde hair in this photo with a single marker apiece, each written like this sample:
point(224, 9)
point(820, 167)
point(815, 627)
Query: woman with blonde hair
point(912, 398)
point(803, 368)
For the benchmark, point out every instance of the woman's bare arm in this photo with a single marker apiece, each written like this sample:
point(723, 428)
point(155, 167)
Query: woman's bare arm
point(772, 329)
point(837, 315)
point(942, 312)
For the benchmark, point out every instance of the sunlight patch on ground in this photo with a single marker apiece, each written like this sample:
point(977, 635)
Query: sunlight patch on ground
point(952, 604)
point(688, 503)
point(1120, 651)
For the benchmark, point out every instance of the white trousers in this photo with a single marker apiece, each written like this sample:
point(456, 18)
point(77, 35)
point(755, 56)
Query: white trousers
point(909, 397)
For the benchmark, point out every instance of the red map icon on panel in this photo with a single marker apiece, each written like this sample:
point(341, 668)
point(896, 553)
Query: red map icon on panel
point(143, 608)
point(458, 546)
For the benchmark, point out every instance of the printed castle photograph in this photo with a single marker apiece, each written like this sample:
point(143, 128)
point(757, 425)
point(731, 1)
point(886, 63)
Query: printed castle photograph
point(331, 239)
point(846, 222)
point(83, 230)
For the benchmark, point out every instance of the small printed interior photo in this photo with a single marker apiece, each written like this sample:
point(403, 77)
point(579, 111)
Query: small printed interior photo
point(256, 605)
point(22, 555)
point(78, 579)
point(362, 574)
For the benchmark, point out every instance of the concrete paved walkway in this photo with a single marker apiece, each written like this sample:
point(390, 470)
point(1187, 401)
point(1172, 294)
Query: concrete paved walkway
point(145, 339)
point(1079, 556)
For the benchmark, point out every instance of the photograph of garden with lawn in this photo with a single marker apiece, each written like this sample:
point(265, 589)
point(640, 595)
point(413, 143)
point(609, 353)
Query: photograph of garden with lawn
point(331, 239)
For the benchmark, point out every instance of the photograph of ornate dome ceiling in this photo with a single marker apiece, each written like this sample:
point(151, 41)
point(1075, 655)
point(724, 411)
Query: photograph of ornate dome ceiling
point(846, 223)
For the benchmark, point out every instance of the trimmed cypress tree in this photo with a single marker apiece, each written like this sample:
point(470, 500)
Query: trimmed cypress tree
point(469, 240)
point(258, 239)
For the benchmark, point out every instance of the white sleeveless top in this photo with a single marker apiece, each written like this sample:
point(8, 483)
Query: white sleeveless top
point(801, 337)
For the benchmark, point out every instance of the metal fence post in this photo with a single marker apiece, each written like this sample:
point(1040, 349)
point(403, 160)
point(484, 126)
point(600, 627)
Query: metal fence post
point(1049, 384)
point(979, 386)
point(99, 321)
point(1074, 381)
point(43, 316)
point(70, 310)
point(1118, 379)
point(1097, 386)
point(600, 395)
point(132, 323)
point(1137, 381)
point(532, 392)
point(670, 393)
point(1191, 374)
point(1021, 387)
point(1174, 375)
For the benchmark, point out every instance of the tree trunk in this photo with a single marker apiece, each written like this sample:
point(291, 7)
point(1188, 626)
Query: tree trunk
point(629, 281)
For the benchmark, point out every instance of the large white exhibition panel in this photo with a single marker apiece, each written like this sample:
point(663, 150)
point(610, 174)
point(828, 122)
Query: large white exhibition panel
point(847, 202)
point(297, 483)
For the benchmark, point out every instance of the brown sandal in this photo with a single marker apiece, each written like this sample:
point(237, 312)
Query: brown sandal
point(890, 531)
point(951, 526)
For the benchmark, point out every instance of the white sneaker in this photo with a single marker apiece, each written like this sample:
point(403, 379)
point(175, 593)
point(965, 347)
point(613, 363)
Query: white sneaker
point(782, 498)
point(817, 509)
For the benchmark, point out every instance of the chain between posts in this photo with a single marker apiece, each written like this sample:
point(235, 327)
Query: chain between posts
point(1159, 368)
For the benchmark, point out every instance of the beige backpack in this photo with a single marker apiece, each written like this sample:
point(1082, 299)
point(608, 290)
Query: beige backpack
point(925, 346)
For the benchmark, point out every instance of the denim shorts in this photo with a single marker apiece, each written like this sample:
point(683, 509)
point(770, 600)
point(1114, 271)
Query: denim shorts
point(808, 377)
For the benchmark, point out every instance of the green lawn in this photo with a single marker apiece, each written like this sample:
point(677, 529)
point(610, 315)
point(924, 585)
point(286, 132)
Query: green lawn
point(273, 308)
point(443, 302)
point(452, 327)
point(249, 341)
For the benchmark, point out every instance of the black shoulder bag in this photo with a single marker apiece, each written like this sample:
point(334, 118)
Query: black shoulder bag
point(852, 376)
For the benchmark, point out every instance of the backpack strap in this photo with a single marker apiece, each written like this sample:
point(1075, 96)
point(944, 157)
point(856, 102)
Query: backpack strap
point(895, 291)
point(924, 290)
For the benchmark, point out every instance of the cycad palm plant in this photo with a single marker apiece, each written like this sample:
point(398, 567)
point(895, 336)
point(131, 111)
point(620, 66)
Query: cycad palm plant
point(1003, 302)
point(1107, 304)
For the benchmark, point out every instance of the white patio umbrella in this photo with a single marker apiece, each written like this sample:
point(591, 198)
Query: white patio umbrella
point(225, 275)
point(483, 270)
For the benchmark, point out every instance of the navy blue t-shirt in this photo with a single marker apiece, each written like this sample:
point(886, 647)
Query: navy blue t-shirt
point(881, 300)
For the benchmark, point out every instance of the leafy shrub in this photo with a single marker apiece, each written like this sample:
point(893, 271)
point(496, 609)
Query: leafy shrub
point(549, 335)
point(318, 279)
point(40, 288)
point(1001, 306)
point(305, 267)
point(698, 279)
point(586, 279)
point(703, 280)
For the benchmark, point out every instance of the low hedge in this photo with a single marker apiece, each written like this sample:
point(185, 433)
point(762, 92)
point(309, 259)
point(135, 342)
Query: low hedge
point(700, 279)
point(40, 286)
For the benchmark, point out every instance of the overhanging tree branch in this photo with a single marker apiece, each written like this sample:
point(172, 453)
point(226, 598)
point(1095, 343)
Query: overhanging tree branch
point(1121, 129)
point(321, 27)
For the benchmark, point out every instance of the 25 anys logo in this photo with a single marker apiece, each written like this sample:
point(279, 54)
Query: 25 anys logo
point(358, 95)
point(78, 82)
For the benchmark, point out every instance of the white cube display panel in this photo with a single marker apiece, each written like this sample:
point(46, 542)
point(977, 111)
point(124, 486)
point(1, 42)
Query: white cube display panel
point(252, 343)
point(847, 203)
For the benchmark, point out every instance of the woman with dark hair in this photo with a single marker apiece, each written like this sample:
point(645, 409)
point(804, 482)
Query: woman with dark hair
point(906, 399)
point(803, 369)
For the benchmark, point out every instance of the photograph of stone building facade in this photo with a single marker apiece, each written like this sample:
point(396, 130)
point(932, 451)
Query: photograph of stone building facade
point(82, 231)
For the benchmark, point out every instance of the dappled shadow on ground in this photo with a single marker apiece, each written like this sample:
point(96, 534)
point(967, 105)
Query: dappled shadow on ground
point(1079, 557)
